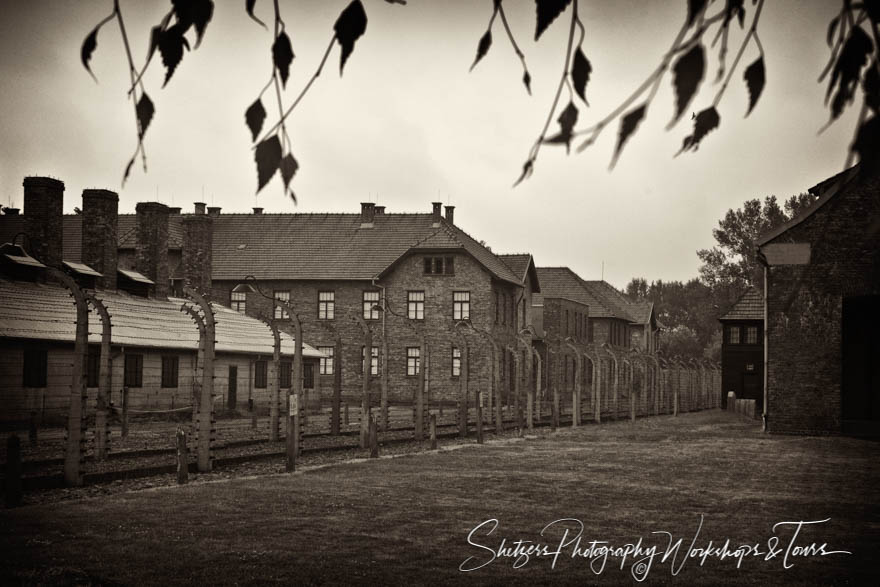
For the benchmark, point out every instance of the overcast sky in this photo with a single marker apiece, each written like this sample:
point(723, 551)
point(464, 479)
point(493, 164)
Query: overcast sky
point(408, 125)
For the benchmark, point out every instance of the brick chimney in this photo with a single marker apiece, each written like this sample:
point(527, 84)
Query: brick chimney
point(380, 210)
point(198, 240)
point(199, 208)
point(43, 200)
point(450, 214)
point(214, 211)
point(99, 237)
point(151, 248)
point(11, 211)
point(368, 210)
point(258, 211)
point(175, 211)
point(436, 212)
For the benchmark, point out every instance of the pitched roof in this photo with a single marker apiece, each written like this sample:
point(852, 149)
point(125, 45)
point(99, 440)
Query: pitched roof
point(523, 265)
point(46, 312)
point(749, 306)
point(616, 302)
point(301, 246)
point(828, 188)
point(562, 282)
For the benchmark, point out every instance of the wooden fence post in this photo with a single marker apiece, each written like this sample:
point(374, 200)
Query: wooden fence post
point(124, 412)
point(292, 444)
point(346, 415)
point(182, 457)
point(479, 417)
point(433, 431)
point(13, 472)
point(337, 389)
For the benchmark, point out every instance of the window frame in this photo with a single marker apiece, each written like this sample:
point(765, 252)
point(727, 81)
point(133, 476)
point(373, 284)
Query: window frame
point(371, 306)
point(456, 361)
point(327, 304)
point(325, 364)
point(415, 308)
point(731, 329)
point(374, 360)
point(93, 366)
point(413, 361)
point(133, 370)
point(261, 374)
point(285, 375)
point(282, 295)
point(170, 371)
point(748, 338)
point(438, 265)
point(461, 307)
point(35, 368)
point(238, 301)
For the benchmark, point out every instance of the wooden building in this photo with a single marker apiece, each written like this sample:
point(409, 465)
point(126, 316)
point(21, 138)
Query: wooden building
point(742, 349)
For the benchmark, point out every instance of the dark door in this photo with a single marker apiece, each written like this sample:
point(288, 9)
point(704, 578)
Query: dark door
point(751, 389)
point(861, 364)
point(233, 387)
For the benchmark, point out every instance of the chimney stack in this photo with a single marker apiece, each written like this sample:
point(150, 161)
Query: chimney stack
point(200, 207)
point(99, 236)
point(450, 214)
point(174, 211)
point(43, 201)
point(11, 211)
point(198, 240)
point(152, 245)
point(367, 211)
point(214, 211)
point(258, 211)
point(436, 212)
point(380, 210)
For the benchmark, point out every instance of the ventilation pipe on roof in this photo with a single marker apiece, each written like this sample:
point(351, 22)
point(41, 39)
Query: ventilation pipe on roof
point(450, 214)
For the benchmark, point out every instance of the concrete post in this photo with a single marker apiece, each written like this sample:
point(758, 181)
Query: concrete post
point(182, 457)
point(102, 432)
point(206, 400)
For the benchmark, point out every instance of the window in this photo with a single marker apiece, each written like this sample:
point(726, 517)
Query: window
point(751, 335)
point(93, 366)
point(261, 374)
point(371, 305)
point(35, 368)
point(134, 370)
point(170, 364)
point(750, 366)
point(326, 305)
point(374, 360)
point(456, 361)
point(412, 360)
point(286, 370)
point(238, 301)
point(415, 305)
point(439, 265)
point(461, 305)
point(308, 375)
point(281, 313)
point(733, 335)
point(325, 366)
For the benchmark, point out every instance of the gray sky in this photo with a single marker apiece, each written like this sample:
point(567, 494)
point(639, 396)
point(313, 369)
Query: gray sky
point(408, 124)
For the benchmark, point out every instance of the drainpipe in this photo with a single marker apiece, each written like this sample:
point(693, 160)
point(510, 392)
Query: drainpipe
point(765, 416)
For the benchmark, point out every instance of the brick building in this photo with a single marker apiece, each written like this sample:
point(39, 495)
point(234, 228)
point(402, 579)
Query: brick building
point(822, 309)
point(742, 349)
point(153, 345)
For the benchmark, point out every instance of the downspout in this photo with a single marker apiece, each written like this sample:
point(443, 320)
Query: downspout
point(765, 416)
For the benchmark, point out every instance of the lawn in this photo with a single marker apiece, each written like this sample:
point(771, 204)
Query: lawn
point(702, 477)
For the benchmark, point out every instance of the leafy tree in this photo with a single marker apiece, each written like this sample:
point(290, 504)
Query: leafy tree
point(854, 64)
point(732, 263)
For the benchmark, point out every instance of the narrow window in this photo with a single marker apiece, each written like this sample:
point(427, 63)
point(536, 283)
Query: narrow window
point(461, 305)
point(308, 375)
point(93, 366)
point(134, 370)
point(325, 366)
point(751, 335)
point(238, 301)
point(412, 360)
point(35, 368)
point(261, 374)
point(326, 305)
point(170, 365)
point(415, 305)
point(286, 371)
point(456, 361)
point(284, 296)
point(374, 360)
point(733, 337)
point(450, 265)
point(371, 305)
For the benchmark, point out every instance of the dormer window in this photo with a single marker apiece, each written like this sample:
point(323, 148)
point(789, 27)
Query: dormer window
point(439, 265)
